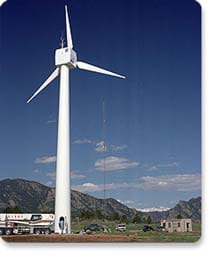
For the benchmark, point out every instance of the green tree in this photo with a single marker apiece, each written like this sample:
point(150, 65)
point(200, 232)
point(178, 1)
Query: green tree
point(137, 218)
point(124, 219)
point(149, 220)
point(87, 214)
point(115, 216)
point(179, 216)
point(99, 214)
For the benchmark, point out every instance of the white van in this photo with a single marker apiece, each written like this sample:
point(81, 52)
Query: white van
point(121, 227)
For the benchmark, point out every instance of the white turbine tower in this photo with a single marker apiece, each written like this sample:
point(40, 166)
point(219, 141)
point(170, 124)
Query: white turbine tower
point(65, 59)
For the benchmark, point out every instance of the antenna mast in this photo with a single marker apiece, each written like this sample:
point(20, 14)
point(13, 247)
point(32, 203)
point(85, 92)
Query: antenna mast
point(62, 43)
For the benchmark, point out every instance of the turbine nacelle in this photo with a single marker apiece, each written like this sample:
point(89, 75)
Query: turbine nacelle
point(65, 56)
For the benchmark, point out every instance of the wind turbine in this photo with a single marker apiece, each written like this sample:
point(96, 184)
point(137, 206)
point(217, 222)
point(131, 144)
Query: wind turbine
point(65, 59)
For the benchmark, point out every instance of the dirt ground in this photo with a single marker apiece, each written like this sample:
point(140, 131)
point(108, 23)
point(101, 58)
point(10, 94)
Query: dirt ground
point(70, 238)
point(106, 238)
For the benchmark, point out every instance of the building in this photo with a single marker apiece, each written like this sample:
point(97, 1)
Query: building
point(177, 225)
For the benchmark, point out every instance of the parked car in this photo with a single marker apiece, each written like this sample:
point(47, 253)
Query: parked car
point(121, 227)
point(147, 228)
point(91, 228)
point(160, 229)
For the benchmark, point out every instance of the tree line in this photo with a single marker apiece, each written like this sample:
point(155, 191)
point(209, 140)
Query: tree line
point(97, 214)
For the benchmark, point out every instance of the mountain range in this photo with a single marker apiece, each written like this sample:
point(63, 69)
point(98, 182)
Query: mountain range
point(32, 196)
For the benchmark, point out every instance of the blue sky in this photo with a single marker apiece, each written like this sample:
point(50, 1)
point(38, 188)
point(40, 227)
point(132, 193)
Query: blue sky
point(153, 117)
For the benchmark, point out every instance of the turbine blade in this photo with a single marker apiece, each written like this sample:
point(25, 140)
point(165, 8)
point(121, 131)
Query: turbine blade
point(45, 84)
point(68, 30)
point(86, 66)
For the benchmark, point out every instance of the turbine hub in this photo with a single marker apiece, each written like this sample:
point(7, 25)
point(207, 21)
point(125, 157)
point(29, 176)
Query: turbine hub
point(65, 56)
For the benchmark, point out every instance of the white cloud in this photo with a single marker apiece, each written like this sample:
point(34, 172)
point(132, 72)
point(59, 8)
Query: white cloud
point(73, 175)
point(52, 175)
point(36, 171)
point(153, 168)
point(91, 187)
point(45, 160)
point(83, 141)
point(49, 183)
point(161, 166)
point(182, 183)
point(127, 202)
point(179, 182)
point(113, 163)
point(153, 209)
point(2, 2)
point(100, 147)
point(51, 121)
point(116, 148)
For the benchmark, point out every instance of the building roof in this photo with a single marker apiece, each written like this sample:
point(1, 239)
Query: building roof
point(185, 219)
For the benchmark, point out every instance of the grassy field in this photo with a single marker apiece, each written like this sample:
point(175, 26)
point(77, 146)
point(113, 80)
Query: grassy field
point(134, 233)
point(140, 236)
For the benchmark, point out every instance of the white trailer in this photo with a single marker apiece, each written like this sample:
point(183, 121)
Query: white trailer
point(26, 223)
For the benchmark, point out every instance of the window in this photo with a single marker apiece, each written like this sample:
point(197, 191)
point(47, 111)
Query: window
point(169, 225)
point(178, 224)
point(36, 217)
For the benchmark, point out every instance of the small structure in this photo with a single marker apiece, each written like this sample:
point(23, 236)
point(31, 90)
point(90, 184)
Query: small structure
point(177, 225)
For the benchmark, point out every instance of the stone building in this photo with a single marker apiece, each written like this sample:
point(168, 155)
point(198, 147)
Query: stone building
point(177, 225)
